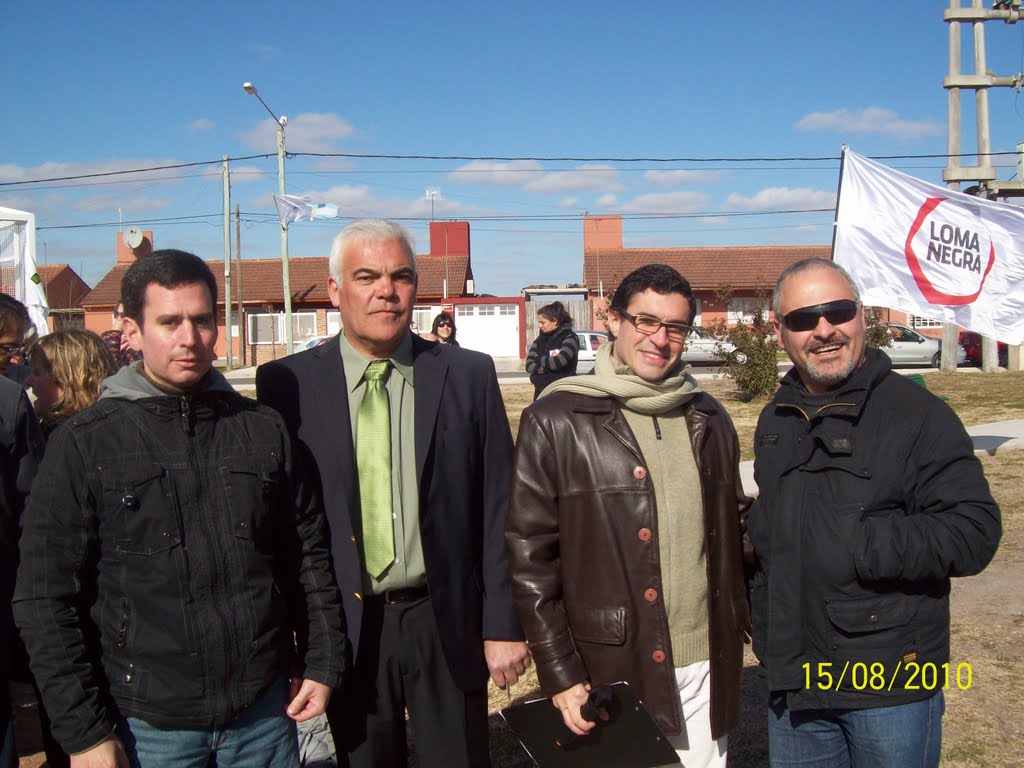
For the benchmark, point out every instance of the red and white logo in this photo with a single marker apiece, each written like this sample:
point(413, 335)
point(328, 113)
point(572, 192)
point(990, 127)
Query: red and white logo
point(950, 252)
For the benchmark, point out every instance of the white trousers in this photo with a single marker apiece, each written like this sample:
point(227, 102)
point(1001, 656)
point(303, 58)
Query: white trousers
point(694, 745)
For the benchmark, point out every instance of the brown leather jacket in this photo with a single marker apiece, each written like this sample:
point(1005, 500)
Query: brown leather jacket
point(584, 560)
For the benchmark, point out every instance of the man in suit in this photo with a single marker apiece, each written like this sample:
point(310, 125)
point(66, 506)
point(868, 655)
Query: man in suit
point(414, 454)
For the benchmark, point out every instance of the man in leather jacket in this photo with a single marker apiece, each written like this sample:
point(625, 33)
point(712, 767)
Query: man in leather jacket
point(625, 528)
point(175, 568)
point(871, 498)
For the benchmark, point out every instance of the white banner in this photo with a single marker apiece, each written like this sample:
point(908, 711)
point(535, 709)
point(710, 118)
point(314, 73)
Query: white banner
point(930, 251)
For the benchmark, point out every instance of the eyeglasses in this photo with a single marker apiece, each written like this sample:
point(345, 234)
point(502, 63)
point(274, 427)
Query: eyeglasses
point(444, 324)
point(648, 326)
point(806, 318)
point(12, 350)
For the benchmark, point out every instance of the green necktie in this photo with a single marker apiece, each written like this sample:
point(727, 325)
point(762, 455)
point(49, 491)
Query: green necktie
point(373, 456)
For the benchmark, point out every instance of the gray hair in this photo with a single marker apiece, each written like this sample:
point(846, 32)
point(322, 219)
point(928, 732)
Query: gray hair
point(370, 231)
point(802, 266)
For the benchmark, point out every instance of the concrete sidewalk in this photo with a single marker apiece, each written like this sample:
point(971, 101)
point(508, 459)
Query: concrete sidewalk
point(993, 439)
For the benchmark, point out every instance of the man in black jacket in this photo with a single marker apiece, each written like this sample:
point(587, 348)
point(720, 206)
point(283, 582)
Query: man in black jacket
point(21, 444)
point(415, 455)
point(175, 566)
point(871, 498)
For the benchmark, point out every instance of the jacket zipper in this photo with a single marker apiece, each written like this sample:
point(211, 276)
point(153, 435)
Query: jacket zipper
point(213, 559)
point(657, 428)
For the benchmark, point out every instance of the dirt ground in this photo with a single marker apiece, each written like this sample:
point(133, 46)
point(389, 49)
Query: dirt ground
point(982, 725)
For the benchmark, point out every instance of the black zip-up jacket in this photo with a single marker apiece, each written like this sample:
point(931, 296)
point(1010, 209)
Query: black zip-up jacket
point(171, 547)
point(545, 369)
point(871, 498)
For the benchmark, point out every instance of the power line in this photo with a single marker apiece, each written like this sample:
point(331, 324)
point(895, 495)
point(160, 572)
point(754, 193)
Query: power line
point(498, 158)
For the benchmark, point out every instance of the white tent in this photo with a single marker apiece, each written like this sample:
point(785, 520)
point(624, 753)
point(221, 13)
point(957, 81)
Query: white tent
point(18, 264)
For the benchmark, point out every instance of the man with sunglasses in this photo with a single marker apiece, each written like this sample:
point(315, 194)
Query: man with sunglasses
point(14, 325)
point(625, 528)
point(871, 498)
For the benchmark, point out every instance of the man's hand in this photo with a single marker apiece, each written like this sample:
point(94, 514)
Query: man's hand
point(569, 702)
point(309, 699)
point(106, 754)
point(507, 660)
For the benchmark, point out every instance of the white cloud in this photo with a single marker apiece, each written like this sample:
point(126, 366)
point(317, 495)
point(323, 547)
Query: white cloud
point(666, 202)
point(680, 176)
point(515, 173)
point(781, 198)
point(869, 120)
point(308, 132)
point(569, 202)
point(244, 174)
point(53, 169)
point(586, 178)
point(130, 206)
point(202, 124)
point(607, 201)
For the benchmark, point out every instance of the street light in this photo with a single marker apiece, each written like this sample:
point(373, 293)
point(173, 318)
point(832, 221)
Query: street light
point(281, 121)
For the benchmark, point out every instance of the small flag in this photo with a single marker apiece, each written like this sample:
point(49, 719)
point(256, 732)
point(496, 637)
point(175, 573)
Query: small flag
point(36, 278)
point(293, 208)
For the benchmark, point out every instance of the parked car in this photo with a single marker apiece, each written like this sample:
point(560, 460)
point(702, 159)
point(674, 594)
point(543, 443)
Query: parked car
point(912, 348)
point(702, 347)
point(316, 341)
point(971, 342)
point(589, 342)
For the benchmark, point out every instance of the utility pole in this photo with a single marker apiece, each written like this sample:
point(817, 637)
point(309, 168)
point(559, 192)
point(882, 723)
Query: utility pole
point(241, 314)
point(227, 264)
point(984, 173)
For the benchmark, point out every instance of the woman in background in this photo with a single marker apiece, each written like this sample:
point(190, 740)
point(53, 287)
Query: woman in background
point(67, 370)
point(554, 354)
point(444, 329)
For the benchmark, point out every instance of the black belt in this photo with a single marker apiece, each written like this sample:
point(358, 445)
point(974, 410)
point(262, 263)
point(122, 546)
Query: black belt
point(406, 595)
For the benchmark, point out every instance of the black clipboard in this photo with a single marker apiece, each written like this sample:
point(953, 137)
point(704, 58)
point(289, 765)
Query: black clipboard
point(628, 739)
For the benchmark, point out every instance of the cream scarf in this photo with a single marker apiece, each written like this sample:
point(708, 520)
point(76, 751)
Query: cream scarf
point(612, 379)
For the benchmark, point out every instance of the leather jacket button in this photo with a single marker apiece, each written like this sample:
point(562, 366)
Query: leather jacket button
point(658, 656)
point(650, 595)
point(644, 534)
point(639, 473)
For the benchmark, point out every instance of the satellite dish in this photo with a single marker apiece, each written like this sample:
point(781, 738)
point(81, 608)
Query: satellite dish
point(133, 237)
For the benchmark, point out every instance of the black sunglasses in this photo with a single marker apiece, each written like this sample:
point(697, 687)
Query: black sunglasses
point(444, 324)
point(806, 318)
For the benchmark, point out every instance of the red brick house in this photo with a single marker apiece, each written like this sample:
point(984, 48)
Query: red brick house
point(746, 273)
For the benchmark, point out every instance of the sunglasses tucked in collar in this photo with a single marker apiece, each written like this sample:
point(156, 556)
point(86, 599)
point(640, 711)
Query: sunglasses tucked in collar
point(836, 312)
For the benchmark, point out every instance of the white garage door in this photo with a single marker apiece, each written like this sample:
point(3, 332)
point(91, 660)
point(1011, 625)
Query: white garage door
point(490, 328)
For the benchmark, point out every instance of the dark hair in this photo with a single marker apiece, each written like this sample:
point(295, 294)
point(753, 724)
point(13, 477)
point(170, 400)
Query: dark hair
point(659, 278)
point(556, 313)
point(441, 318)
point(168, 268)
point(12, 309)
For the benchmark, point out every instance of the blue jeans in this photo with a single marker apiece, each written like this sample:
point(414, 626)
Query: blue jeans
point(262, 736)
point(904, 736)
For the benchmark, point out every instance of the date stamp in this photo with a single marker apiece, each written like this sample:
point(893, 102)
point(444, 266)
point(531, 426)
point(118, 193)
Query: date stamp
point(861, 676)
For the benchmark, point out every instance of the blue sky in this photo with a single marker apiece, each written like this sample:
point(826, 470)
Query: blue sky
point(92, 87)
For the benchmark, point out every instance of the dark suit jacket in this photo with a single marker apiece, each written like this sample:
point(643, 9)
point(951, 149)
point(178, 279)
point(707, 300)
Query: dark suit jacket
point(464, 464)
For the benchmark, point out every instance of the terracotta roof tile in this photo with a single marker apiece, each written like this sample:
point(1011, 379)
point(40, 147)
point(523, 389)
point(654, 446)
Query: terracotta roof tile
point(261, 280)
point(742, 268)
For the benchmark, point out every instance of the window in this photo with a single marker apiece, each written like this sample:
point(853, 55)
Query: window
point(268, 328)
point(333, 321)
point(303, 325)
point(742, 310)
point(924, 322)
point(465, 311)
point(506, 309)
point(487, 309)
